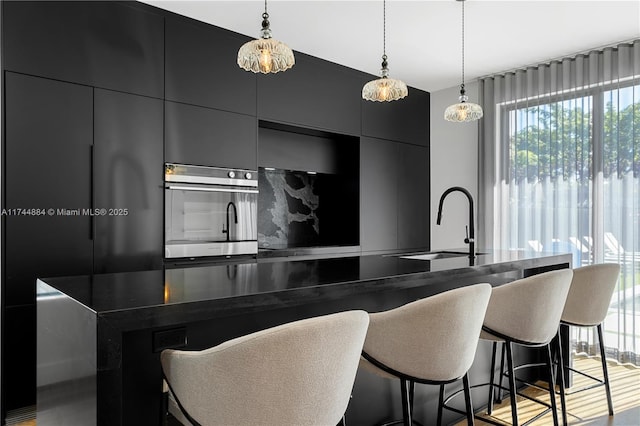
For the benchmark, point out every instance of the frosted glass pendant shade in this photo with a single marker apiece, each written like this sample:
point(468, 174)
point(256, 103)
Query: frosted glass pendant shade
point(384, 89)
point(463, 111)
point(265, 55)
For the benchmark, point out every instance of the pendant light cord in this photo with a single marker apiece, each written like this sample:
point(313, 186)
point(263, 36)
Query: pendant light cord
point(384, 27)
point(462, 44)
point(266, 31)
point(384, 70)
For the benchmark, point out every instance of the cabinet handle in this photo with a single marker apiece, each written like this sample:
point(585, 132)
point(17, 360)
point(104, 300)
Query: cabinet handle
point(91, 192)
point(211, 189)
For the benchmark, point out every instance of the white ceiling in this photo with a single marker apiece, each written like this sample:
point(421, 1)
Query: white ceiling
point(424, 37)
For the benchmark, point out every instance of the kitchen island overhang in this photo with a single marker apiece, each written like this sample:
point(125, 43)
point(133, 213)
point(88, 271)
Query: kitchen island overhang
point(128, 318)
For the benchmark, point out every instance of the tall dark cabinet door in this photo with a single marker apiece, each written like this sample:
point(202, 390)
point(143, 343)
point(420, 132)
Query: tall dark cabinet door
point(314, 93)
point(405, 120)
point(201, 67)
point(378, 194)
point(48, 167)
point(413, 197)
point(47, 173)
point(108, 44)
point(210, 137)
point(128, 175)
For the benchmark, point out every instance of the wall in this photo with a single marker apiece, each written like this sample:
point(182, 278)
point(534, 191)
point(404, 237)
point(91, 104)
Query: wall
point(454, 150)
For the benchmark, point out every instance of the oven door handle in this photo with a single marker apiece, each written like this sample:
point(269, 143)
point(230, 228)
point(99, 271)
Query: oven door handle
point(212, 189)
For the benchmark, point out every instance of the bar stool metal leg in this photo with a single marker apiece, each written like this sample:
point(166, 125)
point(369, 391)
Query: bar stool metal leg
point(406, 404)
point(500, 396)
point(512, 384)
point(467, 399)
point(560, 372)
point(552, 386)
point(440, 405)
point(412, 386)
point(492, 378)
point(605, 373)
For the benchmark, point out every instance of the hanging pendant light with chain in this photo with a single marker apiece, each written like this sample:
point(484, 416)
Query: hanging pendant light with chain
point(266, 54)
point(384, 89)
point(463, 111)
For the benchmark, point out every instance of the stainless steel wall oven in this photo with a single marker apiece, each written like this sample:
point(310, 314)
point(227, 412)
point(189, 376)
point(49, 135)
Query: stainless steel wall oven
point(210, 211)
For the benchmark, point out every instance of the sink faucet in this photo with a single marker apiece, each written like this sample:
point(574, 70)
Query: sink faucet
point(470, 229)
point(235, 219)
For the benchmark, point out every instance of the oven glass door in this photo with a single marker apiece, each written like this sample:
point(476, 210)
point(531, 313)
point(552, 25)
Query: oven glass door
point(208, 214)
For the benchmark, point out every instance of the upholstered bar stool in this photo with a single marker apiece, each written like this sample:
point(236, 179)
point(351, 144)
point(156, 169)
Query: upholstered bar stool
point(301, 373)
point(431, 341)
point(526, 312)
point(587, 305)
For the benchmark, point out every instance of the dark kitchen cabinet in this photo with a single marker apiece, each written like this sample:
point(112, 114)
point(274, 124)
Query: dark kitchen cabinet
point(413, 197)
point(314, 93)
point(19, 357)
point(201, 67)
point(71, 150)
point(128, 179)
point(378, 194)
point(99, 43)
point(210, 137)
point(48, 169)
point(404, 120)
point(47, 183)
point(394, 195)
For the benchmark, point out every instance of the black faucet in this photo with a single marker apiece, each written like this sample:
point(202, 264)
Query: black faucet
point(470, 229)
point(235, 219)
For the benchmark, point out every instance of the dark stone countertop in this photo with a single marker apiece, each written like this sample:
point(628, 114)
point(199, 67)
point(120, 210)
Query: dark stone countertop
point(135, 300)
point(111, 323)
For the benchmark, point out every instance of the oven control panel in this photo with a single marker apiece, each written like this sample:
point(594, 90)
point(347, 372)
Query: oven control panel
point(185, 173)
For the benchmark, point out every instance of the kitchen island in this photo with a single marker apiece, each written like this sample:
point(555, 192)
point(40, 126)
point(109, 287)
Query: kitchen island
point(100, 336)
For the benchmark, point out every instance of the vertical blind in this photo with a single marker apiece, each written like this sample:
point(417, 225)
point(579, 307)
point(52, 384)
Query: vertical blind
point(560, 170)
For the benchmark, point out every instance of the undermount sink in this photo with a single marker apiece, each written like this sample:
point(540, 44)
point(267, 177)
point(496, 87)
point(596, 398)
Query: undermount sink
point(433, 255)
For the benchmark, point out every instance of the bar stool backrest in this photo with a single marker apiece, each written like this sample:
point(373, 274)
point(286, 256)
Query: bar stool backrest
point(528, 310)
point(590, 294)
point(433, 339)
point(301, 373)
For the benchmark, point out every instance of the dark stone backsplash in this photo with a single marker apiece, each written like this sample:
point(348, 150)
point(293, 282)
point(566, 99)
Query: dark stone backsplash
point(288, 209)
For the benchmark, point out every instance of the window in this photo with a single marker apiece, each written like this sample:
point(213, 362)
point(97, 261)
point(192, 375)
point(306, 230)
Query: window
point(565, 144)
point(550, 161)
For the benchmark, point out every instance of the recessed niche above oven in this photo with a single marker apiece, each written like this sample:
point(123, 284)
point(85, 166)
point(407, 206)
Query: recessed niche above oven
point(309, 188)
point(295, 148)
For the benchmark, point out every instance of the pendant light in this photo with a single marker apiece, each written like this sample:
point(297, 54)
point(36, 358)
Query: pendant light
point(384, 89)
point(463, 111)
point(266, 54)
